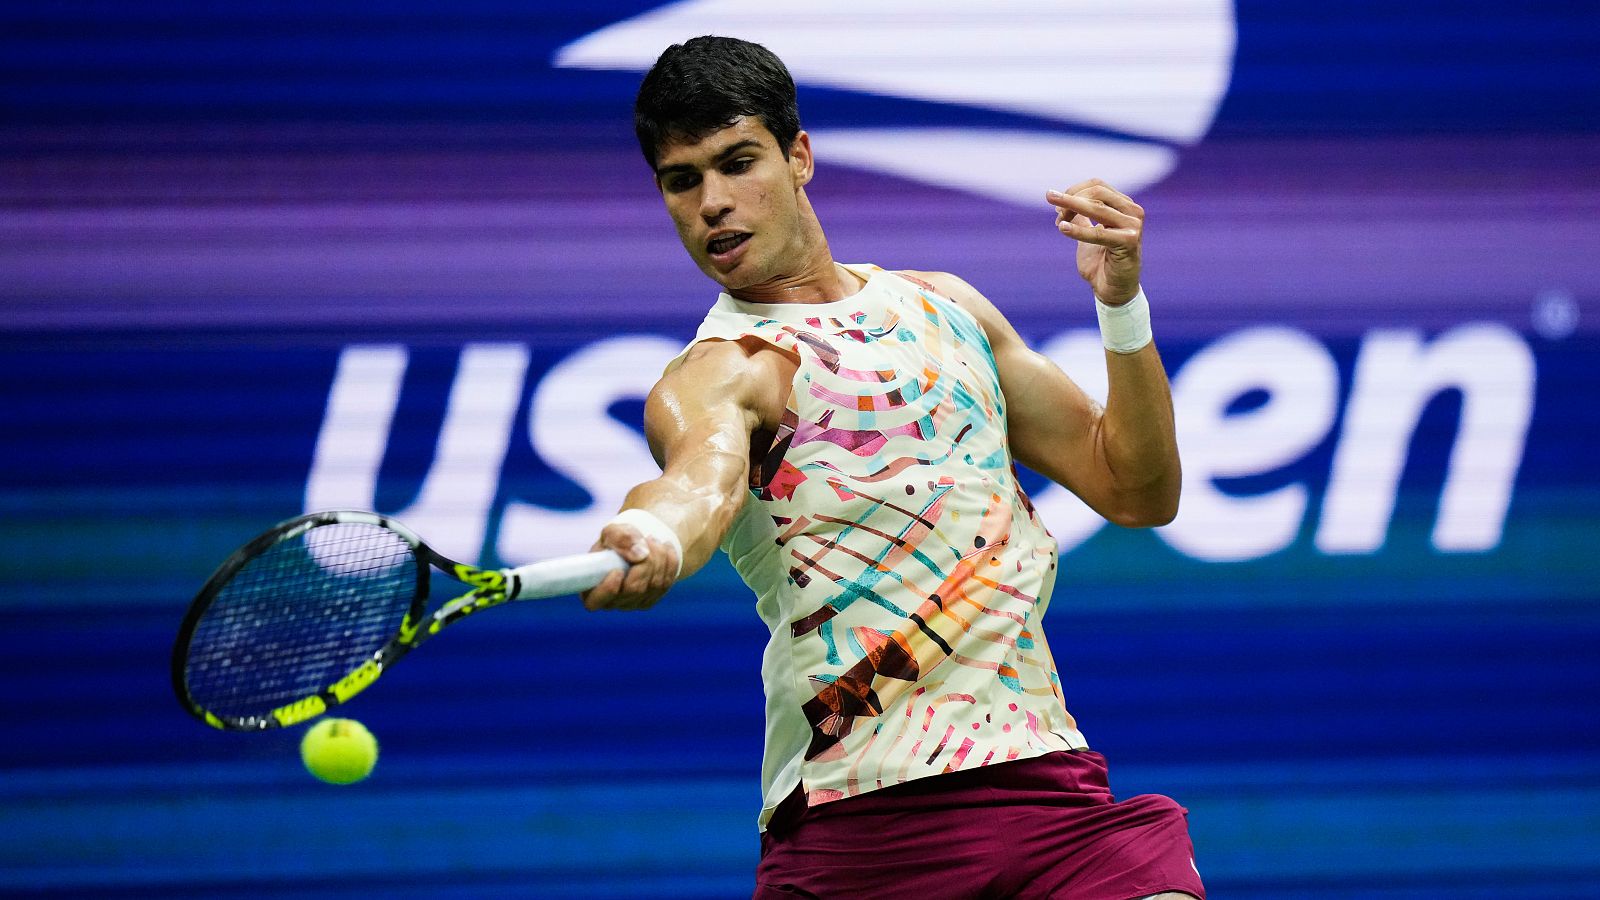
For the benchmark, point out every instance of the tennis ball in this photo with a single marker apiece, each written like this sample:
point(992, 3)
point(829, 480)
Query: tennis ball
point(339, 751)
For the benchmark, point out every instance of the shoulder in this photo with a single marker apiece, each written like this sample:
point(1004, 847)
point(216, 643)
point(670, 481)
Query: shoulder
point(718, 360)
point(745, 372)
point(966, 297)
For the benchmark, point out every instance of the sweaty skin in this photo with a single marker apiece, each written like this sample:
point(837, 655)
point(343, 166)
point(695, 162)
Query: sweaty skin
point(740, 209)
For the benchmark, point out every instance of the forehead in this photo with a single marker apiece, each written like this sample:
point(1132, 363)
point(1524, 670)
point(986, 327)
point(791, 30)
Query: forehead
point(743, 130)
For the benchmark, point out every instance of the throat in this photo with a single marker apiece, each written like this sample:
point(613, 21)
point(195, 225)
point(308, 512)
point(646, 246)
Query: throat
point(825, 285)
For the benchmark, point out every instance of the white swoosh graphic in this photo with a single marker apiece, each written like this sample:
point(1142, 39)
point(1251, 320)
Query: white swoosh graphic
point(1015, 166)
point(1151, 69)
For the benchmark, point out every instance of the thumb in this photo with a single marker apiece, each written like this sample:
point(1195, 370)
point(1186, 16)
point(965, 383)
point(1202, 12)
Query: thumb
point(628, 541)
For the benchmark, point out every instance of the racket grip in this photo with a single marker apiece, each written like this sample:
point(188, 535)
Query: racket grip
point(565, 575)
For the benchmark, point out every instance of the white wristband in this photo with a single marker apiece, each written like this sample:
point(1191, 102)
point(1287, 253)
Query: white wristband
point(651, 527)
point(1125, 328)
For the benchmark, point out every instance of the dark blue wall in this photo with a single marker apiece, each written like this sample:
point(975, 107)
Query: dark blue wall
point(206, 211)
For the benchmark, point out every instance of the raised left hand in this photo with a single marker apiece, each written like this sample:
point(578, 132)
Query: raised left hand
point(1108, 227)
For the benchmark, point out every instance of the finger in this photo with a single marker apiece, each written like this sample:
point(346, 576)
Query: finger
point(628, 541)
point(612, 591)
point(1093, 207)
point(1104, 192)
point(651, 579)
point(1086, 183)
point(1088, 233)
point(657, 576)
point(1113, 198)
point(671, 563)
point(636, 581)
point(1097, 211)
point(660, 571)
point(602, 595)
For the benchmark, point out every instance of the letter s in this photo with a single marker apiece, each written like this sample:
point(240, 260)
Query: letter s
point(574, 434)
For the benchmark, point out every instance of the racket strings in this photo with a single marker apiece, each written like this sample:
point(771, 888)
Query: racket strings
point(298, 616)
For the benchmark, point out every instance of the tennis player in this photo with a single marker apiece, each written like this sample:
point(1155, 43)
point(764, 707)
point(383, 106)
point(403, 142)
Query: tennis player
point(847, 435)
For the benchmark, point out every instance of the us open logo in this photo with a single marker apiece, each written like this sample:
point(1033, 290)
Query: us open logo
point(1083, 89)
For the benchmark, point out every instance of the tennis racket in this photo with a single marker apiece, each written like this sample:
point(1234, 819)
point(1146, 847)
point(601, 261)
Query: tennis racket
point(312, 611)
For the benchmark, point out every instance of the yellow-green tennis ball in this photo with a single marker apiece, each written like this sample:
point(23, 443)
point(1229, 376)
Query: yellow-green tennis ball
point(339, 751)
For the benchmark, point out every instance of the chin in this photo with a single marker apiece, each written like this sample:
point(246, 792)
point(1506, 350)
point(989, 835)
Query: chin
point(723, 279)
point(730, 281)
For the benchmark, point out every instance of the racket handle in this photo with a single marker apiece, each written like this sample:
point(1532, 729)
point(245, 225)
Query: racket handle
point(565, 575)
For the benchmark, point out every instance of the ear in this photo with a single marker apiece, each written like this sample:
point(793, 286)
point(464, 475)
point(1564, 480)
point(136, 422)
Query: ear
point(802, 165)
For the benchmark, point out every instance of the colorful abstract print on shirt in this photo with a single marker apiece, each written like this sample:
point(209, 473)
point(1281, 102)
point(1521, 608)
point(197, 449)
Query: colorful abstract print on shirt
point(915, 571)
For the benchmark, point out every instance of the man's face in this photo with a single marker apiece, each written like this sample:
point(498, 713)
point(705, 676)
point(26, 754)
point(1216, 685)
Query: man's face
point(735, 200)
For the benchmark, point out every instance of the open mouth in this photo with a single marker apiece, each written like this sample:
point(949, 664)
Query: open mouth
point(726, 243)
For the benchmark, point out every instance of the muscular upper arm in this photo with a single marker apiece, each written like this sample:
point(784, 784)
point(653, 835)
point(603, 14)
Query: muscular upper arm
point(701, 416)
point(699, 420)
point(1050, 421)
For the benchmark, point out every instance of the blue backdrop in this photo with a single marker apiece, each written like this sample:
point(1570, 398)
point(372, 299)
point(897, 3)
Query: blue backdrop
point(258, 259)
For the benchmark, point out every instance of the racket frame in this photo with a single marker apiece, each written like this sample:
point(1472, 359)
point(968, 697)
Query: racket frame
point(490, 587)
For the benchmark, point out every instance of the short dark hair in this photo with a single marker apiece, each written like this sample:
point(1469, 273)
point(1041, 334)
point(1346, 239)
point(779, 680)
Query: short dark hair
point(704, 84)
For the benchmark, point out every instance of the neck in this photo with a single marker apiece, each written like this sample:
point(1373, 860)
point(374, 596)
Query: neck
point(815, 278)
point(815, 284)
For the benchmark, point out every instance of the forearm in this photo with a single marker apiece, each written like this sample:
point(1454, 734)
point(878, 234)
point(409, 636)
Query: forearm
point(697, 500)
point(1137, 440)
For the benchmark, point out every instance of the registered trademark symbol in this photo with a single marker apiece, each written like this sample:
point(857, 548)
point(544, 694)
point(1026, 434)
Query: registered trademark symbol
point(1555, 314)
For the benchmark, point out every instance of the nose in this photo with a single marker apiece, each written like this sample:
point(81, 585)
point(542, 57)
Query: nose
point(716, 201)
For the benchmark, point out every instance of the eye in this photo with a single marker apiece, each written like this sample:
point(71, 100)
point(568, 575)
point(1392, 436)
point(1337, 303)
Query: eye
point(737, 166)
point(681, 182)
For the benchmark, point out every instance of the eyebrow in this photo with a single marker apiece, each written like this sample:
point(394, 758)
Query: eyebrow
point(726, 152)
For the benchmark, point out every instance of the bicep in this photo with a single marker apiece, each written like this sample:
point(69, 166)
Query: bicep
point(700, 417)
point(1050, 421)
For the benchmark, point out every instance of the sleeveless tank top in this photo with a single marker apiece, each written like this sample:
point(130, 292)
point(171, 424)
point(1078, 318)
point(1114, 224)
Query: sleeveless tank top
point(897, 562)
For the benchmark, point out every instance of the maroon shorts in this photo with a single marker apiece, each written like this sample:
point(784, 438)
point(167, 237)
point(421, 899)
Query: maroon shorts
point(1044, 827)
